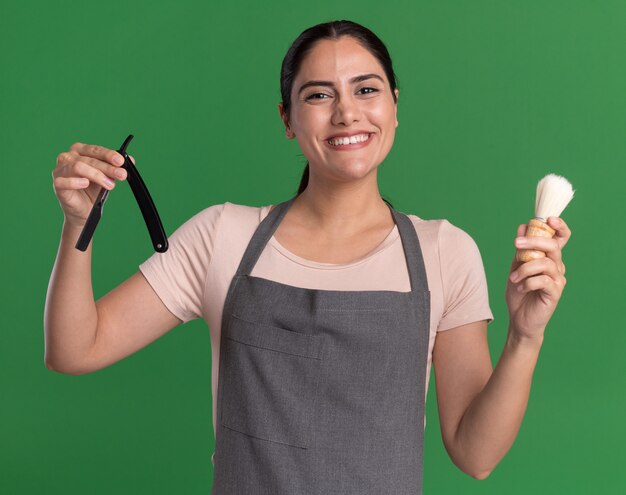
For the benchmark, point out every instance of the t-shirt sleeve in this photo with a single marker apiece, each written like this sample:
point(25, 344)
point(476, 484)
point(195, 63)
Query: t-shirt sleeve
point(178, 275)
point(466, 298)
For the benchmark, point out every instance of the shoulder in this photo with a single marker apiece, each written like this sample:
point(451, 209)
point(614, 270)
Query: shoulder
point(227, 212)
point(451, 254)
point(237, 211)
point(210, 214)
point(236, 219)
point(243, 217)
point(200, 227)
point(441, 234)
point(231, 225)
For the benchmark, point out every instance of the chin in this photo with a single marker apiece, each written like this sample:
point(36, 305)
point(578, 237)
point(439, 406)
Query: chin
point(353, 171)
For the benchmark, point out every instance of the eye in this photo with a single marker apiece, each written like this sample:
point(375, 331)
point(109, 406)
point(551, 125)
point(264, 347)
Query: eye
point(368, 90)
point(317, 96)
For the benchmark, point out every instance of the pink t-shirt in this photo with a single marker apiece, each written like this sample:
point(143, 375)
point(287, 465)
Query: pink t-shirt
point(193, 276)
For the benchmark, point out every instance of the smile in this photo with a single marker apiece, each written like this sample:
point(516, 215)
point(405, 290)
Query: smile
point(344, 141)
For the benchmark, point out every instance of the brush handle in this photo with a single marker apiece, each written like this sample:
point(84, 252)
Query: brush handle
point(536, 228)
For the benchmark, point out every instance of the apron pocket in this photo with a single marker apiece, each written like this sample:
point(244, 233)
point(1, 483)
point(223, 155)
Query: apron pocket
point(270, 379)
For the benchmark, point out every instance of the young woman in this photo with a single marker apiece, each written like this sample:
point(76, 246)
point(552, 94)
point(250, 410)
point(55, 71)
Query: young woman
point(325, 310)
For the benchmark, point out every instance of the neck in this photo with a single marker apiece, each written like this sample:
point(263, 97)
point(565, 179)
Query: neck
point(344, 207)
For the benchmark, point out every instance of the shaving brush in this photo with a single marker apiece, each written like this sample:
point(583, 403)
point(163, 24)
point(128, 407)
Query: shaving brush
point(553, 194)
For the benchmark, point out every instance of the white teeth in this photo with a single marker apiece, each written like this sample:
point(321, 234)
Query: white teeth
point(349, 140)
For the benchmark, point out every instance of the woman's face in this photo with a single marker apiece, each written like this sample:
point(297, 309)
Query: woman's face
point(342, 110)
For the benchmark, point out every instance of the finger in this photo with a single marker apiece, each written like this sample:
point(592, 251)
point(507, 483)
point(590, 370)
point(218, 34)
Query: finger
point(542, 283)
point(549, 246)
point(74, 164)
point(563, 233)
point(99, 152)
point(545, 266)
point(65, 157)
point(545, 244)
point(521, 231)
point(111, 171)
point(61, 183)
point(82, 169)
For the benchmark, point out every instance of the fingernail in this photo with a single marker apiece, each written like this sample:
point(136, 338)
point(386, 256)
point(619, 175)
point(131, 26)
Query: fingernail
point(118, 160)
point(109, 182)
point(121, 173)
point(513, 277)
point(521, 241)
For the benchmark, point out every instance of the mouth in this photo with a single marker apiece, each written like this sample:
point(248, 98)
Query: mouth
point(350, 142)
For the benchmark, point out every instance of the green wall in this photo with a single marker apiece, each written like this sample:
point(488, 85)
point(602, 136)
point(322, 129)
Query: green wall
point(493, 95)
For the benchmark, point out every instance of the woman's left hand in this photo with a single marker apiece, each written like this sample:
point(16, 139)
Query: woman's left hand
point(534, 288)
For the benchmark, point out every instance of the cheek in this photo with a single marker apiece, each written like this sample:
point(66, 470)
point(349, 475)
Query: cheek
point(382, 113)
point(314, 118)
point(311, 128)
point(385, 117)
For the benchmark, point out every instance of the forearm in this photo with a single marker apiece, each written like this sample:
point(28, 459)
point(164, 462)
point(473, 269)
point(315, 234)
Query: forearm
point(492, 421)
point(70, 316)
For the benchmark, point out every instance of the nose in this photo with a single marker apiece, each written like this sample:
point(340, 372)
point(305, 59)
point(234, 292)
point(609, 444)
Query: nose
point(346, 111)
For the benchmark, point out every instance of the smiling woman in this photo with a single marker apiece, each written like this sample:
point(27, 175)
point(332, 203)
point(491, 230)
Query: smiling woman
point(326, 310)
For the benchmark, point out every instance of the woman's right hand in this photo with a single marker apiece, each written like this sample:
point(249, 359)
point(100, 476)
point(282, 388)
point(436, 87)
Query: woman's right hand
point(79, 175)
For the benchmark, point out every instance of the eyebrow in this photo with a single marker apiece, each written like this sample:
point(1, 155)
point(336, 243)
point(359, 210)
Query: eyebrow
point(355, 79)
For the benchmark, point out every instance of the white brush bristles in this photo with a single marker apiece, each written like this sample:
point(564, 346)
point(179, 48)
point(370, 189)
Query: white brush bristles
point(553, 194)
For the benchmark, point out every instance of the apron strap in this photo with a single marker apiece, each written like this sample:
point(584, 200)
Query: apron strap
point(261, 237)
point(412, 251)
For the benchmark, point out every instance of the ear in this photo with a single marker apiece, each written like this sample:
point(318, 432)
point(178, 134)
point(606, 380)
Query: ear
point(397, 92)
point(285, 119)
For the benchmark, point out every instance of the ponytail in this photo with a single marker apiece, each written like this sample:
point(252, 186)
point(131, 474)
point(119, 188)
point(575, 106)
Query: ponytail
point(304, 181)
